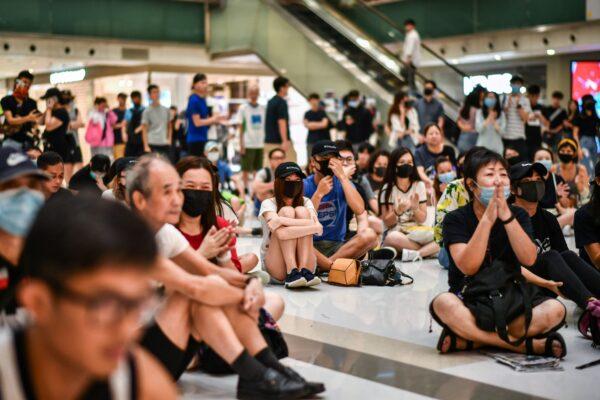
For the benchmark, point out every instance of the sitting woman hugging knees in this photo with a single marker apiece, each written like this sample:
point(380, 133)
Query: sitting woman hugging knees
point(489, 241)
point(289, 222)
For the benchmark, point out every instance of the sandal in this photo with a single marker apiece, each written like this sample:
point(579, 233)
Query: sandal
point(446, 332)
point(548, 347)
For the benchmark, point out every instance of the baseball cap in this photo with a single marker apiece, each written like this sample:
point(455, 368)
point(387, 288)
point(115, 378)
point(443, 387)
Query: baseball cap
point(287, 169)
point(210, 145)
point(119, 166)
point(14, 164)
point(52, 92)
point(522, 169)
point(323, 148)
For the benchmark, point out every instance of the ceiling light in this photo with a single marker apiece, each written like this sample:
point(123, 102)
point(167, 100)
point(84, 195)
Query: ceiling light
point(497, 57)
point(551, 52)
point(67, 76)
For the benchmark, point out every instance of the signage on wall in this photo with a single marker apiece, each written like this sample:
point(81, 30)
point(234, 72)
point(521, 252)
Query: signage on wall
point(75, 75)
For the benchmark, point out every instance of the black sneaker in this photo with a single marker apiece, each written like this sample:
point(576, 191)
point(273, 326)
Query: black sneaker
point(295, 280)
point(311, 279)
point(314, 387)
point(383, 253)
point(272, 386)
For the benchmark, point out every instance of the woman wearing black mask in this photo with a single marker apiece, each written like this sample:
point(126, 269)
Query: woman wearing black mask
point(403, 208)
point(209, 234)
point(574, 174)
point(289, 222)
point(377, 166)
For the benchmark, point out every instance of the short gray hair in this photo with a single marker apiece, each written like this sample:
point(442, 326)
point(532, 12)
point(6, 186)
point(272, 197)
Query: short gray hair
point(138, 177)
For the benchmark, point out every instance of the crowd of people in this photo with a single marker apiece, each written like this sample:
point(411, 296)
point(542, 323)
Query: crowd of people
point(152, 283)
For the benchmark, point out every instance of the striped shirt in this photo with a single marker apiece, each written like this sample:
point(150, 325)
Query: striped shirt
point(515, 127)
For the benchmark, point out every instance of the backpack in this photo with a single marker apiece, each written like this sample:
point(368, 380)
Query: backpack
point(589, 322)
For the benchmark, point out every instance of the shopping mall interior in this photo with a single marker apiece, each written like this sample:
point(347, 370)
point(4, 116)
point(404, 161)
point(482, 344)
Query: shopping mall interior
point(372, 341)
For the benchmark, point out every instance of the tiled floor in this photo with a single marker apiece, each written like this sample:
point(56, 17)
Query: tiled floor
point(375, 342)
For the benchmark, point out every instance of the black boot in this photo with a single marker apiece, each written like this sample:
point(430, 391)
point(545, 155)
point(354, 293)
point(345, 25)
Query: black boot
point(272, 386)
point(313, 387)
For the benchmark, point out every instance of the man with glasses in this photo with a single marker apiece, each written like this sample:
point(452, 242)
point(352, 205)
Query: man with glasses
point(332, 193)
point(262, 186)
point(20, 113)
point(87, 293)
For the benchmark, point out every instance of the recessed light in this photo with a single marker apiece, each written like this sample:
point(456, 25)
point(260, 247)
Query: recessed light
point(551, 52)
point(497, 57)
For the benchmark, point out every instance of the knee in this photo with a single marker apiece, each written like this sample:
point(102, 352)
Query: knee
point(556, 313)
point(274, 304)
point(302, 212)
point(252, 259)
point(445, 305)
point(376, 224)
point(287, 212)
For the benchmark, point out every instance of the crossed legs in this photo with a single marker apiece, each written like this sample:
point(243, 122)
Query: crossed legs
point(399, 241)
point(364, 240)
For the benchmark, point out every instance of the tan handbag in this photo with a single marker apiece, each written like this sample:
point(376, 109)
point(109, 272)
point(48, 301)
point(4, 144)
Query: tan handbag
point(345, 272)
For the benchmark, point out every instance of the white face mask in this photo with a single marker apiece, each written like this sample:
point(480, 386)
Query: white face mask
point(213, 156)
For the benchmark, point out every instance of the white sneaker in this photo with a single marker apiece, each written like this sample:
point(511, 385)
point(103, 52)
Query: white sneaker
point(411, 255)
point(263, 276)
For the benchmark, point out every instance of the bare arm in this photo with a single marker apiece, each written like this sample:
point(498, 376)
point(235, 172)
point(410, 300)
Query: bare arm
point(282, 129)
point(362, 221)
point(195, 263)
point(169, 132)
point(388, 215)
point(199, 121)
point(12, 120)
point(593, 251)
point(145, 136)
point(51, 122)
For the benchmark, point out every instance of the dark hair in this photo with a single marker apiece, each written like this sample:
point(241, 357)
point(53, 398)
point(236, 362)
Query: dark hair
point(199, 77)
point(99, 100)
point(345, 145)
point(374, 156)
point(49, 159)
point(509, 148)
point(557, 94)
point(389, 181)
point(276, 149)
point(353, 93)
point(395, 107)
point(436, 182)
point(478, 160)
point(431, 82)
point(595, 202)
point(471, 100)
point(313, 96)
point(534, 89)
point(516, 78)
point(209, 218)
point(64, 97)
point(136, 93)
point(409, 21)
point(151, 87)
point(25, 74)
point(100, 163)
point(366, 146)
point(280, 82)
point(122, 95)
point(278, 185)
point(588, 98)
point(59, 246)
point(485, 110)
point(429, 126)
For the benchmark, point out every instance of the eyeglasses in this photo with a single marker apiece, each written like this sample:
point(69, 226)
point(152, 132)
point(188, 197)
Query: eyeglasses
point(347, 160)
point(109, 309)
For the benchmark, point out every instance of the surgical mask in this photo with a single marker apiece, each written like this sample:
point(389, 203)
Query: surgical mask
point(487, 193)
point(213, 156)
point(515, 89)
point(353, 103)
point(546, 163)
point(18, 209)
point(380, 171)
point(324, 168)
point(447, 177)
point(532, 191)
point(489, 102)
point(291, 189)
point(566, 158)
point(404, 170)
point(428, 91)
point(196, 202)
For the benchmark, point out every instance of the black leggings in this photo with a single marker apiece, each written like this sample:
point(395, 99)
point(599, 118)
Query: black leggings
point(580, 280)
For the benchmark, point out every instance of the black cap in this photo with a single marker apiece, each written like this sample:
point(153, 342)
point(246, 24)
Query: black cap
point(323, 148)
point(120, 165)
point(14, 164)
point(523, 169)
point(52, 92)
point(287, 169)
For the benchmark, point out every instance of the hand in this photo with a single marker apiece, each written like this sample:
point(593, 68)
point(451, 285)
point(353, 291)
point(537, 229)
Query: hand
point(504, 212)
point(274, 223)
point(562, 190)
point(214, 243)
point(147, 149)
point(337, 168)
point(254, 298)
point(403, 205)
point(414, 202)
point(491, 212)
point(233, 277)
point(33, 115)
point(492, 114)
point(325, 186)
point(124, 136)
point(349, 170)
point(285, 145)
point(553, 286)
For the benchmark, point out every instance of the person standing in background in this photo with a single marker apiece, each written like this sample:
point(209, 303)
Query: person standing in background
point(586, 132)
point(156, 129)
point(252, 134)
point(133, 118)
point(56, 122)
point(535, 121)
point(178, 128)
point(317, 123)
point(516, 109)
point(99, 132)
point(21, 114)
point(556, 116)
point(277, 122)
point(120, 128)
point(429, 108)
point(75, 122)
point(411, 54)
point(466, 122)
point(199, 116)
point(357, 120)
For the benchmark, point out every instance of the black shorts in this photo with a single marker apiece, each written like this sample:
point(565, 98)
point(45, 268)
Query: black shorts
point(60, 145)
point(196, 148)
point(174, 359)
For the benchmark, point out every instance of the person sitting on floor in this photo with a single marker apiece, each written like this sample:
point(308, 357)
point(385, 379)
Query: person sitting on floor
point(289, 223)
point(587, 224)
point(52, 164)
point(403, 208)
point(572, 172)
point(117, 178)
point(89, 179)
point(376, 171)
point(331, 192)
point(445, 172)
point(488, 236)
point(262, 185)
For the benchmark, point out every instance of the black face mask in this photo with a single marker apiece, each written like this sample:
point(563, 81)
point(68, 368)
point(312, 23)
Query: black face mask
point(409, 103)
point(324, 168)
point(566, 158)
point(404, 170)
point(196, 202)
point(513, 160)
point(589, 105)
point(428, 91)
point(291, 189)
point(532, 191)
point(380, 171)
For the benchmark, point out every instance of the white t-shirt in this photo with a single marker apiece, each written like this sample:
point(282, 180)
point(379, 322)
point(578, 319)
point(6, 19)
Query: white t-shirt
point(170, 241)
point(515, 127)
point(412, 48)
point(398, 195)
point(270, 205)
point(252, 118)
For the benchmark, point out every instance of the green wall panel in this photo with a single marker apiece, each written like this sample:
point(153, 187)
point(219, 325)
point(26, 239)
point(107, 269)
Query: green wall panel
point(120, 19)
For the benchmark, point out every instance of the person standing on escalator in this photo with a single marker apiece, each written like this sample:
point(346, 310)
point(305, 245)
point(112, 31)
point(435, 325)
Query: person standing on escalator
point(411, 54)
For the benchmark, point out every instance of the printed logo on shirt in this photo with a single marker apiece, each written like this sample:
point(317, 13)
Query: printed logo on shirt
point(543, 245)
point(327, 213)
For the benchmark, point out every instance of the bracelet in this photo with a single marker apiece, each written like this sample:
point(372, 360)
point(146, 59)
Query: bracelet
point(509, 220)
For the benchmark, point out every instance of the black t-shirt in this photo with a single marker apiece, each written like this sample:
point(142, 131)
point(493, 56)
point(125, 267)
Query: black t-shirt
point(426, 159)
point(58, 135)
point(277, 109)
point(9, 278)
point(135, 121)
point(9, 103)
point(61, 193)
point(317, 134)
point(82, 181)
point(362, 127)
point(589, 125)
point(119, 131)
point(459, 226)
point(547, 233)
point(534, 132)
point(550, 198)
point(586, 231)
point(560, 114)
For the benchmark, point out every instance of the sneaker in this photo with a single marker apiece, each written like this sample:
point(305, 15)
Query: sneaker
point(262, 276)
point(272, 385)
point(411, 255)
point(313, 387)
point(295, 280)
point(383, 253)
point(311, 279)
